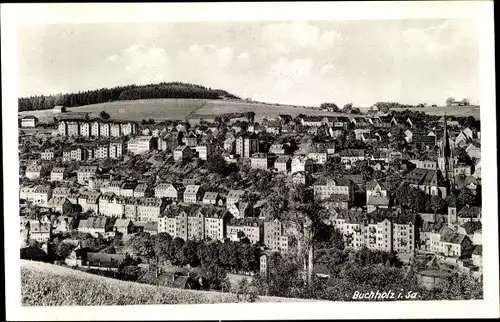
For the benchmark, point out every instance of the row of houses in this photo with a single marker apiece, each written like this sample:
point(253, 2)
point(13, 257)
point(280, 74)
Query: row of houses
point(96, 128)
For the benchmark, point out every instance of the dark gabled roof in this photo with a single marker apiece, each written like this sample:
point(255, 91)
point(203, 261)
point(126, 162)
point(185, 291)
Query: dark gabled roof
point(372, 184)
point(470, 212)
point(105, 260)
point(452, 237)
point(478, 250)
point(472, 226)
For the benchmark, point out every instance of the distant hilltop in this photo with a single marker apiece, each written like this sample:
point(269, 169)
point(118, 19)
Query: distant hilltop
point(122, 93)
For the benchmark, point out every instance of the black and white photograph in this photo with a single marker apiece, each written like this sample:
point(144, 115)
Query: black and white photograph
point(325, 161)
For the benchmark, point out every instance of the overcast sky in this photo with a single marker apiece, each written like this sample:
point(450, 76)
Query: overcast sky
point(302, 62)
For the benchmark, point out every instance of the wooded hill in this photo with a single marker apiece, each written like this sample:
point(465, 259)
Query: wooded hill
point(121, 93)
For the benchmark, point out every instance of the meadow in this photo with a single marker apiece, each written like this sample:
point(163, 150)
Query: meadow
point(45, 284)
point(165, 109)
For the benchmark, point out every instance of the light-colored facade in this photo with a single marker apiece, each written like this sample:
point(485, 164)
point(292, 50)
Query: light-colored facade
point(246, 146)
point(140, 144)
point(84, 173)
point(58, 173)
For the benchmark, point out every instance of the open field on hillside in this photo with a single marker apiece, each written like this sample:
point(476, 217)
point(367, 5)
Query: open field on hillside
point(472, 110)
point(162, 109)
point(45, 284)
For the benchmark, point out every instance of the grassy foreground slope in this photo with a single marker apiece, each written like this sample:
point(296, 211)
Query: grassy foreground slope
point(51, 285)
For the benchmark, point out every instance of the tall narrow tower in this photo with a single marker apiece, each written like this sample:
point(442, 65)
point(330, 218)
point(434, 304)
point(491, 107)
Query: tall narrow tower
point(445, 161)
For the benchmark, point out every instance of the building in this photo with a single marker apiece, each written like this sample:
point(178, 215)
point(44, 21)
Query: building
point(143, 190)
point(104, 129)
point(171, 191)
point(301, 164)
point(84, 128)
point(140, 144)
point(73, 128)
point(376, 196)
point(89, 201)
point(246, 145)
point(274, 236)
point(95, 226)
point(204, 150)
point(303, 178)
point(283, 164)
point(65, 224)
point(58, 173)
point(123, 226)
point(38, 195)
point(116, 129)
point(241, 210)
point(351, 156)
point(149, 209)
point(325, 188)
point(116, 149)
point(183, 152)
point(41, 232)
point(260, 161)
point(431, 182)
point(84, 173)
point(215, 223)
point(47, 155)
point(233, 197)
point(211, 198)
point(29, 121)
point(60, 204)
point(445, 156)
point(192, 194)
point(127, 188)
point(252, 228)
point(277, 149)
point(35, 171)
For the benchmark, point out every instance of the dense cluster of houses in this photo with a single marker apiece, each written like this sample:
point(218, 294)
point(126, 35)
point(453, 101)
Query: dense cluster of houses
point(193, 212)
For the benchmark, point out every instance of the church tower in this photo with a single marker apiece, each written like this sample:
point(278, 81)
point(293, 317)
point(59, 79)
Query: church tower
point(445, 159)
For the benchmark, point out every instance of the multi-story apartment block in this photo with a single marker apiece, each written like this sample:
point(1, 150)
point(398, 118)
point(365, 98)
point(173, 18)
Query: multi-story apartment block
point(246, 145)
point(116, 149)
point(60, 204)
point(58, 173)
point(38, 195)
point(47, 155)
point(35, 171)
point(215, 223)
point(149, 209)
point(127, 188)
point(84, 128)
point(204, 150)
point(116, 129)
point(143, 190)
point(85, 172)
point(183, 152)
point(140, 144)
point(171, 191)
point(89, 201)
point(283, 164)
point(95, 127)
point(104, 129)
point(102, 151)
point(61, 192)
point(233, 197)
point(301, 164)
point(260, 161)
point(128, 128)
point(376, 196)
point(113, 187)
point(324, 188)
point(62, 128)
point(192, 194)
point(73, 128)
point(251, 228)
point(431, 182)
point(274, 236)
point(111, 205)
point(29, 121)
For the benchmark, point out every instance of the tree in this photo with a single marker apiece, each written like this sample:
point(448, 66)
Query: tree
point(216, 164)
point(465, 198)
point(250, 116)
point(438, 205)
point(347, 108)
point(449, 101)
point(104, 115)
point(141, 244)
point(465, 102)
